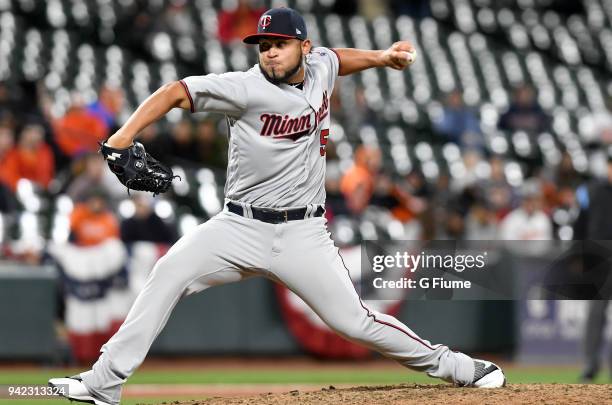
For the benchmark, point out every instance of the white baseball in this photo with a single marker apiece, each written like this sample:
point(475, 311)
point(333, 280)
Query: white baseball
point(411, 56)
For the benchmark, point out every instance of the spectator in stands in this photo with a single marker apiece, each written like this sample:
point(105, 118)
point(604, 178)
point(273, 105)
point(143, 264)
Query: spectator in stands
point(92, 222)
point(497, 192)
point(527, 230)
point(481, 223)
point(459, 123)
point(79, 131)
point(210, 146)
point(108, 106)
point(235, 24)
point(92, 171)
point(527, 222)
point(30, 159)
point(145, 224)
point(595, 223)
point(524, 113)
point(357, 184)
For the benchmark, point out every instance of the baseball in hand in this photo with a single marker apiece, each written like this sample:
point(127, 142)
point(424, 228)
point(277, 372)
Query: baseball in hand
point(399, 56)
point(411, 56)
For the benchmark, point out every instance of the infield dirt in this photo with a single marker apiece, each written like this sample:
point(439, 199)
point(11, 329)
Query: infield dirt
point(430, 394)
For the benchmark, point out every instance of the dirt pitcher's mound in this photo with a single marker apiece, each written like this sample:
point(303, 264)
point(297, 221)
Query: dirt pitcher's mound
point(432, 394)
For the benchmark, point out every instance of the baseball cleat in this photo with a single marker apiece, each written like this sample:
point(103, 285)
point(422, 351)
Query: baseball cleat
point(487, 375)
point(75, 390)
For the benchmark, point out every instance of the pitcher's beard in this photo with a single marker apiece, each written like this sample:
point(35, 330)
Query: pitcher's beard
point(274, 79)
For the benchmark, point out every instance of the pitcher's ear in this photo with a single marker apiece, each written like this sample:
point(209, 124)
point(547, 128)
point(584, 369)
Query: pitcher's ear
point(306, 46)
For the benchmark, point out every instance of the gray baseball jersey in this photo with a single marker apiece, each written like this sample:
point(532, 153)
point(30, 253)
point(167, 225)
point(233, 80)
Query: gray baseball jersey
point(277, 134)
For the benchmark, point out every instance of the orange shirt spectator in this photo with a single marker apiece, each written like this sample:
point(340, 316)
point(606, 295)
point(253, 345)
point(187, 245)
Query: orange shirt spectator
point(91, 223)
point(79, 131)
point(357, 184)
point(30, 159)
point(238, 23)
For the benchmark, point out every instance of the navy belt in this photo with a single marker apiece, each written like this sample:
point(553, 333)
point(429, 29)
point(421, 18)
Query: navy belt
point(275, 216)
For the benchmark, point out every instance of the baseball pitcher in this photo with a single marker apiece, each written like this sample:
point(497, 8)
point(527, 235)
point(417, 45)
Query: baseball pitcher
point(272, 224)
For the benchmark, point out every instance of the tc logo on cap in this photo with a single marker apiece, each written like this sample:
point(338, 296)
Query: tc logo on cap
point(265, 21)
point(287, 23)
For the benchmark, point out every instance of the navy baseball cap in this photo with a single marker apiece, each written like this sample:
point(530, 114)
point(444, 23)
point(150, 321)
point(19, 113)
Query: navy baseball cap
point(282, 22)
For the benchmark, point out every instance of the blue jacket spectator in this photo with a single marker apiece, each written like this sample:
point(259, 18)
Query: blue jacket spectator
point(459, 123)
point(524, 113)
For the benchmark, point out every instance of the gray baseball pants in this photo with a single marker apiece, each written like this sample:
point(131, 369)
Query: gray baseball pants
point(299, 254)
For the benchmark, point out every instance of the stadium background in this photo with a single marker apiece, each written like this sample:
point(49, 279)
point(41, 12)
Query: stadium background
point(507, 110)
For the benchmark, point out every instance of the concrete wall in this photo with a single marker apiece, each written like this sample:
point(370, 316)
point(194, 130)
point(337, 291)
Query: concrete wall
point(27, 312)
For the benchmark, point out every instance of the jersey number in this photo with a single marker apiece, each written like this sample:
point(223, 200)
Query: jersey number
point(324, 136)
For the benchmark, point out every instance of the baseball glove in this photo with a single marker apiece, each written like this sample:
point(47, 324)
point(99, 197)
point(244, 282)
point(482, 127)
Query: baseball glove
point(137, 170)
